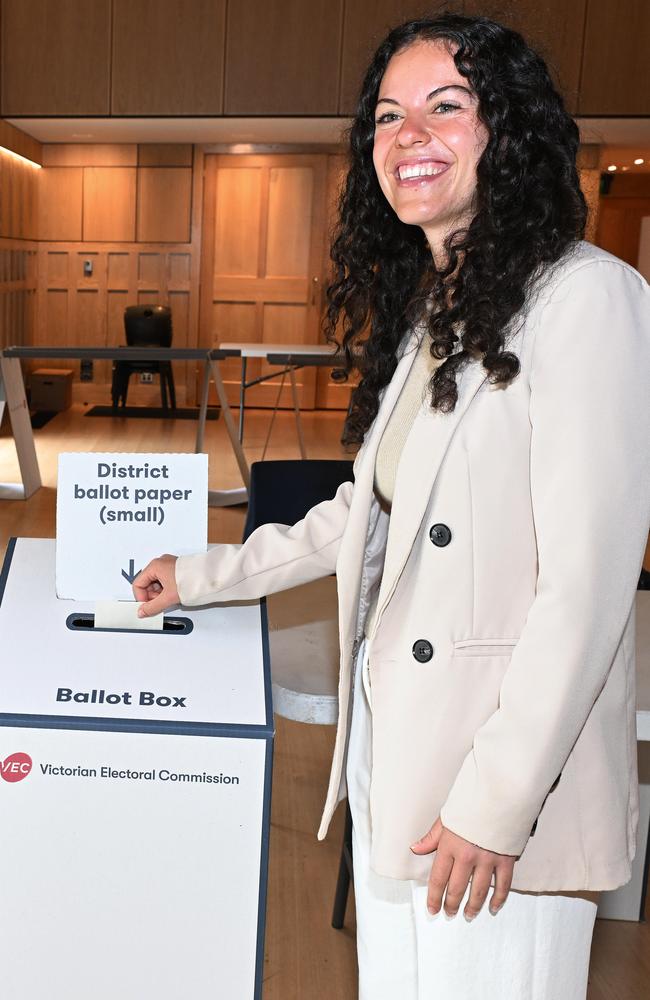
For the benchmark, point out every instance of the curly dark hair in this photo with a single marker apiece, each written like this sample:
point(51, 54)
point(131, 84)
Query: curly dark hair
point(530, 211)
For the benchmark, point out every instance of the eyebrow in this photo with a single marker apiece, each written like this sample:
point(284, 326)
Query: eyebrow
point(438, 90)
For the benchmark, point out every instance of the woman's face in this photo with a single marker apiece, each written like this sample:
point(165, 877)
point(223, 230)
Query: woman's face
point(428, 140)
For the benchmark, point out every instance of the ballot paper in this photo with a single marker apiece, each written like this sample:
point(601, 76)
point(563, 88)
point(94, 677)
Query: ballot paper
point(116, 512)
point(124, 615)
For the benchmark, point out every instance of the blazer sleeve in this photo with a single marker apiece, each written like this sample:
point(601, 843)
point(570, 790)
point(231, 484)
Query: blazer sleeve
point(590, 491)
point(274, 557)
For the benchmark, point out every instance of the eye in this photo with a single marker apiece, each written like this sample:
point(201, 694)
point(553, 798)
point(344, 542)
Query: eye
point(445, 107)
point(387, 116)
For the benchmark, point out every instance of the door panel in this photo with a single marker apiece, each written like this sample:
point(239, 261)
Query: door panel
point(264, 229)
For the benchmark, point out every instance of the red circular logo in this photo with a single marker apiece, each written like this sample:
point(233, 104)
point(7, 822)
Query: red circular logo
point(16, 766)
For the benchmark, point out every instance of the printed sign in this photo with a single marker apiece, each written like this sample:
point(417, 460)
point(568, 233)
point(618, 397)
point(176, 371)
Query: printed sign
point(116, 512)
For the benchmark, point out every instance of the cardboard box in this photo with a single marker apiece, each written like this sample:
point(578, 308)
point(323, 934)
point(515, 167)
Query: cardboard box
point(51, 389)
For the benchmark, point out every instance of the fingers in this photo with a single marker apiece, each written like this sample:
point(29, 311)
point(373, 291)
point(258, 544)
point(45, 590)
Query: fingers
point(440, 872)
point(480, 886)
point(503, 881)
point(457, 864)
point(461, 873)
point(144, 580)
point(428, 843)
point(155, 606)
point(155, 586)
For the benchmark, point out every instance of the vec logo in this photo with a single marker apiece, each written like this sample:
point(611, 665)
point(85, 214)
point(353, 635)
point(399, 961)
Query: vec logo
point(16, 766)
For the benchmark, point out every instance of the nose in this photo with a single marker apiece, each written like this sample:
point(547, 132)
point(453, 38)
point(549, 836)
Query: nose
point(412, 131)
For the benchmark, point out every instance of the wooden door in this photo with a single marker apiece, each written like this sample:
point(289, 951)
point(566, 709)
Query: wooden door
point(261, 263)
point(619, 226)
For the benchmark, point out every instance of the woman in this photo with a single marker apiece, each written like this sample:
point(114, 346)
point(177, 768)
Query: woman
point(488, 553)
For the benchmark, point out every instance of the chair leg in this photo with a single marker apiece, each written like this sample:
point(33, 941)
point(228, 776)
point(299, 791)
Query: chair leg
point(345, 873)
point(115, 388)
point(163, 388)
point(172, 387)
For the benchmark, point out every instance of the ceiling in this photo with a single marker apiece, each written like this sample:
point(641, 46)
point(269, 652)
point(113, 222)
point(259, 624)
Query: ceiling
point(194, 130)
point(611, 131)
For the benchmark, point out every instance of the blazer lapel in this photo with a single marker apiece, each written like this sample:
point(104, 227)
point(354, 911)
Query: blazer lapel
point(419, 464)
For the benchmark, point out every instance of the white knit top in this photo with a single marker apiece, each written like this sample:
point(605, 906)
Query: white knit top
point(411, 398)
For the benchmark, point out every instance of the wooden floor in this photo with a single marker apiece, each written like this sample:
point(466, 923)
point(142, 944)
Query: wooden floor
point(305, 958)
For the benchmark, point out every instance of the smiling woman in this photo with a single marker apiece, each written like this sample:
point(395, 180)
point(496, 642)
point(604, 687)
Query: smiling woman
point(486, 622)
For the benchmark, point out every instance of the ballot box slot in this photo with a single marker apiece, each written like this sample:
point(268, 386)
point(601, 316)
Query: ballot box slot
point(83, 622)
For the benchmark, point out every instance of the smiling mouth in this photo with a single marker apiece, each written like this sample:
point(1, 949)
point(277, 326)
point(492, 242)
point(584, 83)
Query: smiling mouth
point(420, 171)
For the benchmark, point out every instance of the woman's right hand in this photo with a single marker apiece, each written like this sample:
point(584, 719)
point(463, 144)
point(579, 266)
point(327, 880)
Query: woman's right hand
point(155, 586)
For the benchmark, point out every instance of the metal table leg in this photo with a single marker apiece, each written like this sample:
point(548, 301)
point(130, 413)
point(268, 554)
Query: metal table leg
point(12, 395)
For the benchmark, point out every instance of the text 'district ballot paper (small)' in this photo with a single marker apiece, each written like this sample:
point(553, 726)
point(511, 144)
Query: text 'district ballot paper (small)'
point(117, 511)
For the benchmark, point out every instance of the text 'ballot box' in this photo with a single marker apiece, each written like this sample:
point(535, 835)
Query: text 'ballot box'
point(135, 797)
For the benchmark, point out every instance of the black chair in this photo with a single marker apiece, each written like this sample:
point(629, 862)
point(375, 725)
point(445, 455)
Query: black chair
point(145, 326)
point(283, 492)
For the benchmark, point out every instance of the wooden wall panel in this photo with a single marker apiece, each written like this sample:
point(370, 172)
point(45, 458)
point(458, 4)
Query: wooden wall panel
point(615, 78)
point(118, 267)
point(83, 154)
point(168, 57)
point(55, 57)
point(19, 142)
point(75, 309)
point(157, 154)
point(180, 269)
point(366, 23)
point(72, 305)
point(109, 204)
point(56, 329)
point(56, 269)
point(150, 271)
point(179, 303)
point(88, 324)
point(283, 57)
point(17, 291)
point(18, 197)
point(164, 204)
point(554, 28)
point(60, 203)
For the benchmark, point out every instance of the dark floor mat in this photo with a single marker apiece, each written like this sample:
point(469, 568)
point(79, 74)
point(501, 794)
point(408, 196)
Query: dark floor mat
point(180, 413)
point(41, 417)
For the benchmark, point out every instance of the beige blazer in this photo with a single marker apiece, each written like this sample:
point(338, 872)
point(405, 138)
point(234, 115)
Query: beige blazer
point(502, 657)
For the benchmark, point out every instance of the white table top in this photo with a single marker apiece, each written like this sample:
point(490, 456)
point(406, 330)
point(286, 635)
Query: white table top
point(262, 350)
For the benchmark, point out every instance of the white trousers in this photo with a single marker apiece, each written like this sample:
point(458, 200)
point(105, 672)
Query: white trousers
point(535, 948)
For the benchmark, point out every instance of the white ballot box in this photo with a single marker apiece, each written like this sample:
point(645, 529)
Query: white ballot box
point(135, 794)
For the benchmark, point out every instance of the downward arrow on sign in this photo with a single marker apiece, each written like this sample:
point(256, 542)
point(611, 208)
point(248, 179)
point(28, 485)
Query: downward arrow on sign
point(131, 575)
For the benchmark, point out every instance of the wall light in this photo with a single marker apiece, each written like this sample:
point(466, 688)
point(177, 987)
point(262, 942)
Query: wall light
point(639, 160)
point(612, 168)
point(17, 156)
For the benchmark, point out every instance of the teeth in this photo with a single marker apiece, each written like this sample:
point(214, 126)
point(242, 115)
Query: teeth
point(421, 170)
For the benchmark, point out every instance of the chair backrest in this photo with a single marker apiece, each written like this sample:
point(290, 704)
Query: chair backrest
point(148, 326)
point(282, 492)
